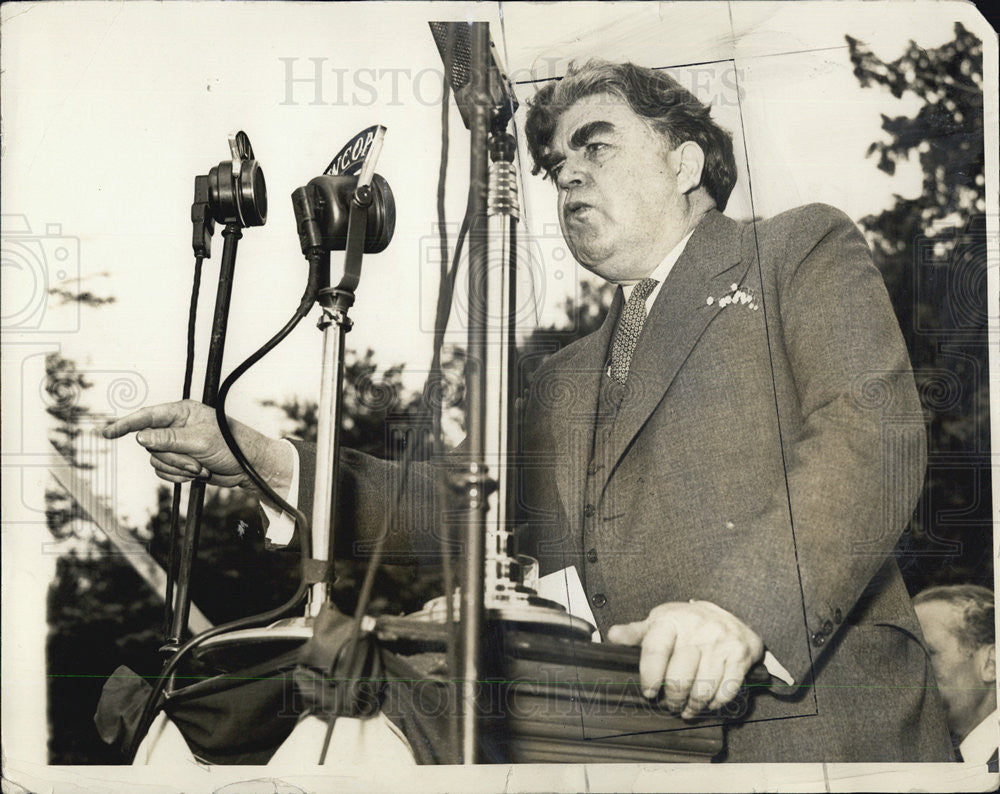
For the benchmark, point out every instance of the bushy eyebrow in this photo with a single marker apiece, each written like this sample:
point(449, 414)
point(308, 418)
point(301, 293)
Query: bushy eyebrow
point(588, 131)
point(552, 157)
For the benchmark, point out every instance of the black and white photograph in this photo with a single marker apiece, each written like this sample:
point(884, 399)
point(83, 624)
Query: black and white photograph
point(499, 396)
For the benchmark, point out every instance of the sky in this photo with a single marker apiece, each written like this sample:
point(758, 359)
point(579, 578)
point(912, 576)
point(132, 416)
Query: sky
point(111, 109)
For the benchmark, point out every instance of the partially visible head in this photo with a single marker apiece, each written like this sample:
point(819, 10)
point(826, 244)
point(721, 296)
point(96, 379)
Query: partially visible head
point(635, 156)
point(958, 626)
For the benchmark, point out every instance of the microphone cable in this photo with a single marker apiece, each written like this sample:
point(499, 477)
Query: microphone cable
point(305, 541)
point(305, 304)
point(175, 505)
point(353, 649)
point(445, 296)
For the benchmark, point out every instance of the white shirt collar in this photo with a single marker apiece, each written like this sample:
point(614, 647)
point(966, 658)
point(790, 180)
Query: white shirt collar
point(662, 270)
point(980, 744)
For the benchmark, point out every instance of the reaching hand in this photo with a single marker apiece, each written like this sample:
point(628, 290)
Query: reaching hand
point(698, 652)
point(185, 443)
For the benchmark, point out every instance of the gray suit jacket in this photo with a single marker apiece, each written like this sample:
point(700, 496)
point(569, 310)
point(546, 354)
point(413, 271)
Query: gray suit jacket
point(766, 460)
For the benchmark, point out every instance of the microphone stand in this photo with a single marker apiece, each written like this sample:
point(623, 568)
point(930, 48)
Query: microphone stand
point(333, 213)
point(203, 227)
point(476, 476)
point(233, 193)
point(492, 587)
point(213, 375)
point(334, 323)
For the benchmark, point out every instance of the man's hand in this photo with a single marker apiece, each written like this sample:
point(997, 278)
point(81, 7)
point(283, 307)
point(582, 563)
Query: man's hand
point(186, 444)
point(697, 651)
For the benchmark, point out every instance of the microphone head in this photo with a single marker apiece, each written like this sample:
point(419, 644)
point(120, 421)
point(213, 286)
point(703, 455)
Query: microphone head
point(252, 194)
point(323, 207)
point(237, 192)
point(453, 40)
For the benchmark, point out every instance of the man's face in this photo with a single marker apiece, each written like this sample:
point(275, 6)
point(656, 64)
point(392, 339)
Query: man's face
point(619, 205)
point(955, 666)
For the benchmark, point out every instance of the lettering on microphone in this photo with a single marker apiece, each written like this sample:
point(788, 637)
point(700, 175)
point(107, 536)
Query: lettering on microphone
point(349, 160)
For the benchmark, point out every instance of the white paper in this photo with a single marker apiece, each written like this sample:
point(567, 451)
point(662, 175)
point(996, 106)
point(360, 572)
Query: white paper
point(564, 587)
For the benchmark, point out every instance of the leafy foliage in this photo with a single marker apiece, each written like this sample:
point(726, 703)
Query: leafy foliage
point(63, 386)
point(85, 298)
point(100, 613)
point(374, 403)
point(584, 314)
point(381, 416)
point(931, 250)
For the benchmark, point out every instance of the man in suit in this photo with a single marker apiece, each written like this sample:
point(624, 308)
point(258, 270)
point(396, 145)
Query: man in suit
point(959, 630)
point(744, 484)
point(729, 474)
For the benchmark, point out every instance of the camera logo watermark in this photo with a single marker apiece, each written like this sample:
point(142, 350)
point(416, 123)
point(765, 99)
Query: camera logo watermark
point(544, 265)
point(38, 266)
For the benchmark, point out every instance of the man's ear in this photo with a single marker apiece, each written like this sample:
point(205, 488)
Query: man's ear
point(986, 662)
point(689, 161)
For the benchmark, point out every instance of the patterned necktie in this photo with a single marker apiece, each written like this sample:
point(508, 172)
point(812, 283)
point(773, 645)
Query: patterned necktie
point(629, 327)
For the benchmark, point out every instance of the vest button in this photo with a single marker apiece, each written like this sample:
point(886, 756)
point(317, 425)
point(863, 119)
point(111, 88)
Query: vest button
point(589, 510)
point(598, 600)
point(592, 555)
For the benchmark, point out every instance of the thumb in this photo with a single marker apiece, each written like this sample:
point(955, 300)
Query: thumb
point(628, 633)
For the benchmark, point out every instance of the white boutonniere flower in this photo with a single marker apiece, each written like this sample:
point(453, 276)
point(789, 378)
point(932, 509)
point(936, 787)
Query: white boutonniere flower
point(737, 296)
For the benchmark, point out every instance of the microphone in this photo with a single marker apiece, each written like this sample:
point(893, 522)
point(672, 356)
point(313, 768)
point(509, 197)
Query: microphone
point(453, 43)
point(234, 189)
point(323, 206)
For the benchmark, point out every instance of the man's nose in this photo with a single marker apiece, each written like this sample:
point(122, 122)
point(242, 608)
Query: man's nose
point(572, 174)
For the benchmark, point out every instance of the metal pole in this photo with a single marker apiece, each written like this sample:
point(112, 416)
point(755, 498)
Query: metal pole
point(500, 580)
point(475, 385)
point(335, 324)
point(213, 376)
point(511, 420)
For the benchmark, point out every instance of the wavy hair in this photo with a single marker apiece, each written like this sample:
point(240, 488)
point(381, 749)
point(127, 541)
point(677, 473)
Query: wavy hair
point(669, 108)
point(977, 606)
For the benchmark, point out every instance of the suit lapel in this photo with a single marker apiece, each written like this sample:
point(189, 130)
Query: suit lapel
point(710, 264)
point(578, 378)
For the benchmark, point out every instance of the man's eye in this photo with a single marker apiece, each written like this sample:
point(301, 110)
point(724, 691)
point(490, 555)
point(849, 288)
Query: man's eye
point(553, 172)
point(595, 146)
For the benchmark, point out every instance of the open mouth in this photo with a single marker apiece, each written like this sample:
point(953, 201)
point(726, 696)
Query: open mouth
point(575, 210)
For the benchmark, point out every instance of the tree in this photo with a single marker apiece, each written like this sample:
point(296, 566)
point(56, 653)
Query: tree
point(64, 385)
point(931, 250)
point(374, 404)
point(583, 314)
point(100, 612)
point(381, 417)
